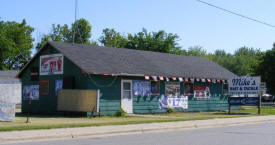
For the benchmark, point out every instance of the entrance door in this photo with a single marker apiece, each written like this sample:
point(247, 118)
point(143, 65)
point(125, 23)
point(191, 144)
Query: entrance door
point(126, 96)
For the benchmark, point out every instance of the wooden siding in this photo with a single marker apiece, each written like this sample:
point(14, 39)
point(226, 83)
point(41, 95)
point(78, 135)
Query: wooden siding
point(110, 95)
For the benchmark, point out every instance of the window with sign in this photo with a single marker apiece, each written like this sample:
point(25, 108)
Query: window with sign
point(172, 89)
point(224, 88)
point(155, 90)
point(188, 88)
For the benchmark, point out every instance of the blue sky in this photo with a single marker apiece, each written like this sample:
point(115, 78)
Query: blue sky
point(195, 23)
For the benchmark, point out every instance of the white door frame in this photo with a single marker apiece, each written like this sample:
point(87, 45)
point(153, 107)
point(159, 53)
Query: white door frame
point(121, 100)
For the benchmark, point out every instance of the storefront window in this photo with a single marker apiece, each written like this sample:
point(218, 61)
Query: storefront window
point(224, 89)
point(172, 89)
point(188, 88)
point(155, 88)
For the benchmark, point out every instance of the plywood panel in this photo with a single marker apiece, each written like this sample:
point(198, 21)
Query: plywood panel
point(77, 100)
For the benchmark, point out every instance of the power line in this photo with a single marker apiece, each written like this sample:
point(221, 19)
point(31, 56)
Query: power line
point(234, 13)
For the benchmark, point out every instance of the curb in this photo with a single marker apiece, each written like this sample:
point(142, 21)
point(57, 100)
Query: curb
point(102, 131)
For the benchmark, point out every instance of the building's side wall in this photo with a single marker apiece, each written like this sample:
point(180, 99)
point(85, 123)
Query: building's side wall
point(109, 88)
point(48, 104)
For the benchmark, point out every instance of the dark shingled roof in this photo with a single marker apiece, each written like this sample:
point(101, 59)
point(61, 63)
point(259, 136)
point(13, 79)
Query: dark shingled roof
point(121, 61)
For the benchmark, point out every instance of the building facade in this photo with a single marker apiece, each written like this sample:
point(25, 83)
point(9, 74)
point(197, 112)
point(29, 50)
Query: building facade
point(136, 81)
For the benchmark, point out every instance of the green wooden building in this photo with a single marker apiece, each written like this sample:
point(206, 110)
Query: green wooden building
point(137, 81)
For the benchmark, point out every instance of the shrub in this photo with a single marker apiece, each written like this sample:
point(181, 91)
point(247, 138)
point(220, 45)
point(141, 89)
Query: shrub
point(120, 113)
point(170, 110)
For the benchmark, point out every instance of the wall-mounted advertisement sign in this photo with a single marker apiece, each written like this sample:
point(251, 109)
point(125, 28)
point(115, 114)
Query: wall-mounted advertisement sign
point(244, 85)
point(58, 86)
point(31, 92)
point(201, 92)
point(249, 101)
point(171, 102)
point(51, 64)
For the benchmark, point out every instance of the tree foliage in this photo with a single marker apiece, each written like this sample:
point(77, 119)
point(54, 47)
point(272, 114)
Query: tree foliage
point(151, 41)
point(80, 31)
point(266, 69)
point(111, 38)
point(15, 44)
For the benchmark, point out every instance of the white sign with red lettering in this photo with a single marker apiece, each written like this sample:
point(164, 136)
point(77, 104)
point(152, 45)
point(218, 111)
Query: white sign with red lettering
point(51, 64)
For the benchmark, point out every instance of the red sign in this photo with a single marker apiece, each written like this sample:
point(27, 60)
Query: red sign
point(51, 64)
point(201, 92)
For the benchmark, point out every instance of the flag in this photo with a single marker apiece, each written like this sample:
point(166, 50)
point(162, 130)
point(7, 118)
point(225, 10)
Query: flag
point(213, 80)
point(155, 78)
point(218, 81)
point(186, 79)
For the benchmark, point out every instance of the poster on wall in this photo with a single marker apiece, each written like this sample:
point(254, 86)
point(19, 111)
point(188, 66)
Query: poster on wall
point(7, 111)
point(31, 92)
point(141, 88)
point(201, 92)
point(172, 89)
point(58, 86)
point(51, 64)
point(165, 102)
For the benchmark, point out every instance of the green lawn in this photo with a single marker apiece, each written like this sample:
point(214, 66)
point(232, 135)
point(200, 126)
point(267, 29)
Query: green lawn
point(48, 122)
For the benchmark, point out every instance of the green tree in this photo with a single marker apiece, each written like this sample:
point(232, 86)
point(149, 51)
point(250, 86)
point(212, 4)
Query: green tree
point(15, 44)
point(80, 31)
point(111, 38)
point(196, 51)
point(266, 69)
point(58, 33)
point(151, 41)
point(246, 60)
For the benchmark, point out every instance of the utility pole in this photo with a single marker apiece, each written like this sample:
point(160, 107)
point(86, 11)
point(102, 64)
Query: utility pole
point(75, 8)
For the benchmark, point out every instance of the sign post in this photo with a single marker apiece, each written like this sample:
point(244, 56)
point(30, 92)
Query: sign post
point(246, 92)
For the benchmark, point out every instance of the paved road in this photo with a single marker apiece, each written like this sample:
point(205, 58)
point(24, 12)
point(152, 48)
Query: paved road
point(253, 134)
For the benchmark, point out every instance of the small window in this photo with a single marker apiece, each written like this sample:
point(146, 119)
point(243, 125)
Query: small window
point(34, 73)
point(155, 88)
point(188, 88)
point(127, 91)
point(44, 87)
